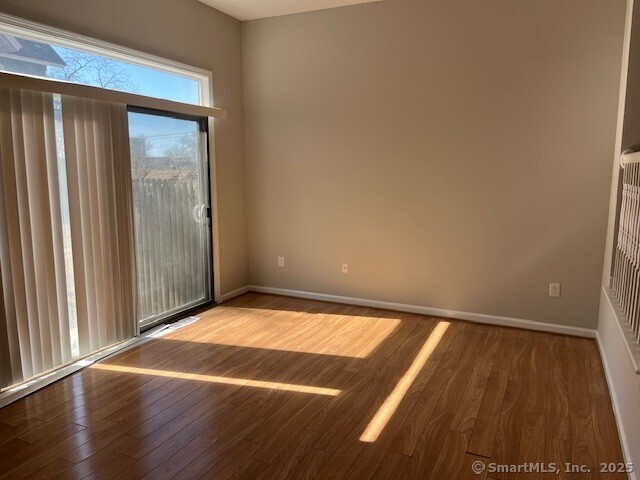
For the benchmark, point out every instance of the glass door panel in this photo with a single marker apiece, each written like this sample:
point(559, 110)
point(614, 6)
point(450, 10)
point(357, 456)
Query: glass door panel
point(169, 168)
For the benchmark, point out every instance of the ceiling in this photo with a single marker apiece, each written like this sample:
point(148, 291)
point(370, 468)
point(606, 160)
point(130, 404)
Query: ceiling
point(254, 9)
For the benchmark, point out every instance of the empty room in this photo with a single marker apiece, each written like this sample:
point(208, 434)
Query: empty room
point(319, 239)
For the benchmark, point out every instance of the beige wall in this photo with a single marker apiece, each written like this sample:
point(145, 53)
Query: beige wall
point(457, 154)
point(189, 32)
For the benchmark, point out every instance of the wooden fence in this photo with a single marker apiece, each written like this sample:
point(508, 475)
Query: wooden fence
point(171, 245)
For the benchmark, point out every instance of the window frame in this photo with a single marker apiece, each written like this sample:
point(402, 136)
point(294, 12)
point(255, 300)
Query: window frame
point(45, 34)
point(212, 273)
point(40, 32)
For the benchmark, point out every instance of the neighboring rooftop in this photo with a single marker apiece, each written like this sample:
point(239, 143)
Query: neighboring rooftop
point(25, 50)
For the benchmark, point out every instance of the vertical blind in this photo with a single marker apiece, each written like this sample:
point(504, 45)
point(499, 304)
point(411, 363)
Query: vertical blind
point(66, 254)
point(35, 310)
point(99, 182)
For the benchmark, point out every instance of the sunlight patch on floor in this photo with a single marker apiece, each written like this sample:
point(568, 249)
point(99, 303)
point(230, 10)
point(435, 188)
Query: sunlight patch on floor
point(388, 408)
point(288, 387)
point(316, 333)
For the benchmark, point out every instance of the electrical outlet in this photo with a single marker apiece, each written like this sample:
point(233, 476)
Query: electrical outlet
point(345, 268)
point(281, 262)
point(554, 290)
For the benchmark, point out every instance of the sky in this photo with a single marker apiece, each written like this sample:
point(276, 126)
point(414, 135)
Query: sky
point(154, 83)
point(163, 132)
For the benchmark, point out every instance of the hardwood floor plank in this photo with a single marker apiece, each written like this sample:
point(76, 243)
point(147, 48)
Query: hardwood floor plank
point(10, 450)
point(485, 427)
point(410, 431)
point(532, 445)
point(581, 423)
point(309, 467)
point(469, 468)
point(150, 451)
point(463, 335)
point(113, 468)
point(176, 415)
point(50, 432)
point(52, 470)
point(506, 448)
point(593, 364)
point(506, 350)
point(340, 461)
point(467, 411)
point(557, 407)
point(424, 458)
point(31, 459)
point(283, 433)
point(453, 392)
point(282, 465)
point(607, 442)
point(391, 467)
point(492, 346)
point(106, 462)
point(522, 348)
point(230, 462)
point(557, 451)
point(451, 458)
point(12, 432)
point(538, 360)
point(190, 461)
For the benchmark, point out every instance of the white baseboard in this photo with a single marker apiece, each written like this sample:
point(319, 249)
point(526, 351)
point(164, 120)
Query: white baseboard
point(626, 449)
point(436, 312)
point(235, 293)
point(620, 363)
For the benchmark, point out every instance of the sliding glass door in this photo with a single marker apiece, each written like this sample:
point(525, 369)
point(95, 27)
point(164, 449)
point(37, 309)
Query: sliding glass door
point(169, 170)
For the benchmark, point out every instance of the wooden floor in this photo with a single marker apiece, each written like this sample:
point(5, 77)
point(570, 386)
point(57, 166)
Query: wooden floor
point(268, 387)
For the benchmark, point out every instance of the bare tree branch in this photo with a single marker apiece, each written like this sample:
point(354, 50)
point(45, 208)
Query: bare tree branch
point(91, 70)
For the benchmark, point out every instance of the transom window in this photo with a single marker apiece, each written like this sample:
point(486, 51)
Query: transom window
point(36, 50)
